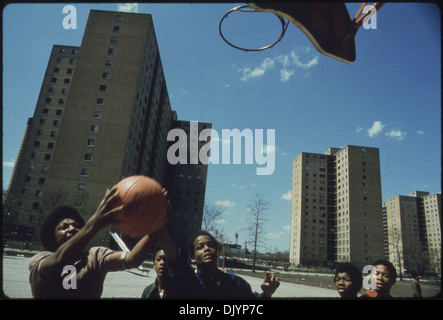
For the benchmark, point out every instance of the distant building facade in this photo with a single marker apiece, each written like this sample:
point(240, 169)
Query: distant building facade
point(336, 212)
point(413, 231)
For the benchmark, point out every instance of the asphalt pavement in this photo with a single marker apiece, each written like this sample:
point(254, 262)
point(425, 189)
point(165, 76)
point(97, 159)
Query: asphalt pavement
point(130, 285)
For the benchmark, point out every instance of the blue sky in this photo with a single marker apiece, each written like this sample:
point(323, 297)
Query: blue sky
point(389, 98)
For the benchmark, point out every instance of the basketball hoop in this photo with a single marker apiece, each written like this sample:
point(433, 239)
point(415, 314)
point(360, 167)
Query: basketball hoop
point(248, 9)
point(326, 24)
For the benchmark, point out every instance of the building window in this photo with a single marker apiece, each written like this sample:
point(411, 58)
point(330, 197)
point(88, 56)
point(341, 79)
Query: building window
point(100, 101)
point(94, 128)
point(114, 39)
point(64, 91)
point(56, 69)
point(45, 169)
point(81, 186)
point(74, 51)
point(87, 157)
point(119, 18)
point(58, 112)
point(91, 143)
point(50, 145)
point(69, 71)
point(53, 79)
point(84, 172)
point(62, 50)
point(108, 63)
point(111, 51)
point(61, 101)
point(106, 75)
point(116, 29)
point(67, 80)
point(102, 88)
point(56, 123)
point(97, 115)
point(47, 157)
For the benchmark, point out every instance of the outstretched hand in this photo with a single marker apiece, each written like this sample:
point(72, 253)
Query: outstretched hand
point(270, 284)
point(107, 209)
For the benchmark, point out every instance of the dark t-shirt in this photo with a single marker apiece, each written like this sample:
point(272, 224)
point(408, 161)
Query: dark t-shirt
point(188, 283)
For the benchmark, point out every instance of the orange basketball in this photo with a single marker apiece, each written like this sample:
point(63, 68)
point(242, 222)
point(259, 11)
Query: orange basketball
point(145, 206)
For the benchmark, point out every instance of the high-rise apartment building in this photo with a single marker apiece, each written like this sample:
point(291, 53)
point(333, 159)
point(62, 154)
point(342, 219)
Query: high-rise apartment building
point(103, 114)
point(30, 175)
point(336, 207)
point(413, 233)
point(188, 184)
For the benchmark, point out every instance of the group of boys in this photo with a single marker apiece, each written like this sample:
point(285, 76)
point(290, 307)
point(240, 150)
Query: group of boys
point(65, 235)
point(349, 280)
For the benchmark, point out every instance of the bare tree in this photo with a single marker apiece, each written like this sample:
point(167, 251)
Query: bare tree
point(257, 213)
point(54, 198)
point(211, 213)
point(396, 248)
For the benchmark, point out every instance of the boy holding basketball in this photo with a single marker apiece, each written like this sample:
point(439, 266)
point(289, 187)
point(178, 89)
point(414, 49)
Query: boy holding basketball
point(65, 235)
point(207, 281)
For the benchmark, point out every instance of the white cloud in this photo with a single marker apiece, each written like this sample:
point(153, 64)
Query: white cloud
point(249, 73)
point(376, 128)
point(9, 164)
point(127, 7)
point(237, 186)
point(284, 60)
point(273, 235)
point(286, 74)
point(286, 196)
point(268, 149)
point(220, 221)
point(358, 129)
point(302, 57)
point(396, 134)
point(216, 139)
point(225, 203)
point(419, 132)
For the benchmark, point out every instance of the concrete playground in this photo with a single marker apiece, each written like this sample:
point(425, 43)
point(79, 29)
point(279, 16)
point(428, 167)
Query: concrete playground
point(127, 285)
point(130, 285)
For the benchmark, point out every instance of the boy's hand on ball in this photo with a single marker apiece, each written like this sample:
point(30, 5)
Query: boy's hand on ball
point(107, 209)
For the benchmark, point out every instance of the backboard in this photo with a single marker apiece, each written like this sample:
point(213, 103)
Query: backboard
point(327, 25)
